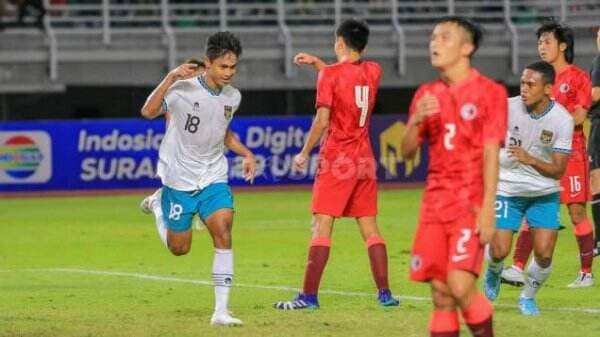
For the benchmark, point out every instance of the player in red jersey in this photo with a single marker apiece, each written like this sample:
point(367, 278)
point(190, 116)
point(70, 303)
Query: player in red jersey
point(462, 116)
point(345, 184)
point(572, 89)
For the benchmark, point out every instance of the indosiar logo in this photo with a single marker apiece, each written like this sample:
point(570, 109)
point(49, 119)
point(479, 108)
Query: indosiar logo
point(25, 157)
point(390, 151)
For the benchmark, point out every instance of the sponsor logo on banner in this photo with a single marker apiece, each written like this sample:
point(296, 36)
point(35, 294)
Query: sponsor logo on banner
point(25, 157)
point(390, 149)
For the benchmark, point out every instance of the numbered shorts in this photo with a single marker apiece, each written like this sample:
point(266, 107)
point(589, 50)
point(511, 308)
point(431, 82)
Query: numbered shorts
point(575, 183)
point(594, 145)
point(439, 248)
point(540, 212)
point(179, 206)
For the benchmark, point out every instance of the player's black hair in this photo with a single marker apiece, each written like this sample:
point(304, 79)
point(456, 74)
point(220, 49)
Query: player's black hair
point(473, 30)
point(355, 33)
point(562, 33)
point(195, 61)
point(222, 43)
point(544, 68)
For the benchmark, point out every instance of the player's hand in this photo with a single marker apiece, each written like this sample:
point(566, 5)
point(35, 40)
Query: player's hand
point(426, 106)
point(305, 58)
point(520, 154)
point(249, 168)
point(183, 71)
point(300, 161)
point(486, 225)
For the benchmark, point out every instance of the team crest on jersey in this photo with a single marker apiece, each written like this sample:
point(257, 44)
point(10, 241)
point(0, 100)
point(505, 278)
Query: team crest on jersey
point(196, 107)
point(468, 111)
point(546, 136)
point(416, 263)
point(564, 87)
point(227, 111)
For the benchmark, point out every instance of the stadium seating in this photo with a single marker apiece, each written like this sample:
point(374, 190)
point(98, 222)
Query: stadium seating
point(129, 42)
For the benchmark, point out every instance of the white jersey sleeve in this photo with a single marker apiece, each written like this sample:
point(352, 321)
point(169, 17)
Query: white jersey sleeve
point(564, 137)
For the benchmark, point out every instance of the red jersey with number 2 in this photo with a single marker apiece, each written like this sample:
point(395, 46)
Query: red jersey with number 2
point(349, 91)
point(472, 113)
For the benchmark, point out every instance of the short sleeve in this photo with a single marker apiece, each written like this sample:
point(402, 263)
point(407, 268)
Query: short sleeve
point(564, 137)
point(171, 96)
point(584, 92)
point(325, 89)
point(496, 117)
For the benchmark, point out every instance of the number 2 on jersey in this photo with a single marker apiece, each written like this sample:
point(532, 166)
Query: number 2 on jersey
point(361, 97)
point(450, 133)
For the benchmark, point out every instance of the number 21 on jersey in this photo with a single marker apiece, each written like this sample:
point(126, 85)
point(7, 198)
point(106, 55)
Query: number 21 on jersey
point(361, 97)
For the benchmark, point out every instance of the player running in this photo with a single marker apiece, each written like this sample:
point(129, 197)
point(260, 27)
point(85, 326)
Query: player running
point(345, 184)
point(462, 116)
point(539, 136)
point(572, 89)
point(192, 164)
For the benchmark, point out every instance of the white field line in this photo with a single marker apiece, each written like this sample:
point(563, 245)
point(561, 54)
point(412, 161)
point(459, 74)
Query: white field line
point(159, 278)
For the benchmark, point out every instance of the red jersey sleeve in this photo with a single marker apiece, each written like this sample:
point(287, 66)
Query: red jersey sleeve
point(325, 88)
point(496, 117)
point(411, 111)
point(584, 92)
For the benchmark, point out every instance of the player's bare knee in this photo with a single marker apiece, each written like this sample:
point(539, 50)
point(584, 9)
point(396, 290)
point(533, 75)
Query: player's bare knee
point(577, 213)
point(460, 291)
point(179, 249)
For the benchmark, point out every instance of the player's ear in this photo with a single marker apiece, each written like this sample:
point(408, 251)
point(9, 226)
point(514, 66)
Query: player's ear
point(548, 89)
point(206, 62)
point(562, 47)
point(467, 48)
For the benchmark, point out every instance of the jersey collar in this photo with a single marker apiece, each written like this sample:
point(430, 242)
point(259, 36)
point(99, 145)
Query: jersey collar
point(544, 113)
point(207, 88)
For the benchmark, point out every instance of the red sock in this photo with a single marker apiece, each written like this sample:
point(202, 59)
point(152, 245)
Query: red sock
point(378, 258)
point(318, 255)
point(478, 317)
point(444, 324)
point(523, 248)
point(585, 241)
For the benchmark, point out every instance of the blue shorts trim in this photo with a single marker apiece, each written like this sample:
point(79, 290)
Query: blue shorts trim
point(540, 212)
point(180, 206)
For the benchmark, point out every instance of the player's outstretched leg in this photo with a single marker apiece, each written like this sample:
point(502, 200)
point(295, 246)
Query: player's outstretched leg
point(152, 204)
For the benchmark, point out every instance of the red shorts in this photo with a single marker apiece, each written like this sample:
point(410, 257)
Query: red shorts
point(439, 248)
point(347, 190)
point(575, 183)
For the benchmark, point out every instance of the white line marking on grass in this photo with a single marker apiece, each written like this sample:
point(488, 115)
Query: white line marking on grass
point(159, 278)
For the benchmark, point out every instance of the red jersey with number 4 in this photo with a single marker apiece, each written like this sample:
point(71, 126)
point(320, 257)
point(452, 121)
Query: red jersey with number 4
point(572, 89)
point(349, 91)
point(472, 113)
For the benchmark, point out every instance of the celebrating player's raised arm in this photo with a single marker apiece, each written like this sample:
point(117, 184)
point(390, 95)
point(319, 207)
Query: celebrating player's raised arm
point(153, 107)
point(249, 164)
point(309, 59)
point(318, 127)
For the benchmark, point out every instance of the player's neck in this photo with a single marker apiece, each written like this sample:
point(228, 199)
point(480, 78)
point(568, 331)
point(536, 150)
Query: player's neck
point(456, 73)
point(560, 65)
point(540, 107)
point(350, 57)
point(211, 83)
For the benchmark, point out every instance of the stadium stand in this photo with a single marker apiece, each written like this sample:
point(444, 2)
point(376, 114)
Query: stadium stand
point(128, 42)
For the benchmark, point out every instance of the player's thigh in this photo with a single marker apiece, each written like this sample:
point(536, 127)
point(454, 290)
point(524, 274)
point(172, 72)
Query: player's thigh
point(544, 242)
point(575, 182)
point(465, 250)
point(363, 200)
point(501, 243)
point(544, 212)
point(441, 296)
point(220, 222)
point(429, 253)
point(322, 225)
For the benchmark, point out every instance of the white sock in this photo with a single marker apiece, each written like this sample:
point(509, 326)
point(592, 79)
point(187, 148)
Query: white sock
point(536, 276)
point(158, 219)
point(222, 278)
point(496, 267)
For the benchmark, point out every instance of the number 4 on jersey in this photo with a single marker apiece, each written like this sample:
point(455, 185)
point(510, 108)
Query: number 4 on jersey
point(361, 97)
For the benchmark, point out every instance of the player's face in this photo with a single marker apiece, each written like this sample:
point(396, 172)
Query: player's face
point(549, 49)
point(222, 69)
point(533, 88)
point(448, 45)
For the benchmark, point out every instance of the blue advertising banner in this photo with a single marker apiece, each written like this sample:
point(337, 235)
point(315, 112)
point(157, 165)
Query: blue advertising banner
point(113, 154)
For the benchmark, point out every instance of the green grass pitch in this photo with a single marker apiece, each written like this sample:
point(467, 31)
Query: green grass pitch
point(93, 266)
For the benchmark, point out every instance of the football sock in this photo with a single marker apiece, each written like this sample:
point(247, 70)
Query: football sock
point(222, 278)
point(318, 255)
point(444, 324)
point(523, 249)
point(378, 259)
point(596, 215)
point(585, 241)
point(478, 316)
point(536, 276)
point(160, 224)
point(496, 267)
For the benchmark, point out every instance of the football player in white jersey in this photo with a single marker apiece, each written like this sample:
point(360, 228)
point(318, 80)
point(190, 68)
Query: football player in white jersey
point(538, 144)
point(192, 164)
